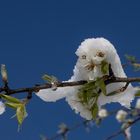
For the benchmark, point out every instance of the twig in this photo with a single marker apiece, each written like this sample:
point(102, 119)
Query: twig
point(69, 129)
point(36, 88)
point(122, 131)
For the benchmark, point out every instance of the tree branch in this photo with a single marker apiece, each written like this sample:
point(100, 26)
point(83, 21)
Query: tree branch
point(36, 88)
point(69, 129)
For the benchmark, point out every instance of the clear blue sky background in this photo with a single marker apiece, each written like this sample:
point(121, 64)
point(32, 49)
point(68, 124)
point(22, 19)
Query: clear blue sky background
point(38, 37)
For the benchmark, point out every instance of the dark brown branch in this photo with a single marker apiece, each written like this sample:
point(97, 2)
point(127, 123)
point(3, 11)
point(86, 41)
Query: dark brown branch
point(36, 88)
point(129, 80)
point(119, 90)
point(39, 87)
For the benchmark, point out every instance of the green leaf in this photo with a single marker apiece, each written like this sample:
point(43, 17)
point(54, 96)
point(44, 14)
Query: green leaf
point(137, 94)
point(130, 58)
point(104, 67)
point(47, 78)
point(21, 113)
point(94, 111)
point(136, 66)
point(12, 105)
point(100, 83)
point(89, 88)
point(50, 79)
point(87, 92)
point(10, 98)
point(83, 97)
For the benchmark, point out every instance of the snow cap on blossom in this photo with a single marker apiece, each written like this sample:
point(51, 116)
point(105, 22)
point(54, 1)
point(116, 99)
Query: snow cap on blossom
point(92, 53)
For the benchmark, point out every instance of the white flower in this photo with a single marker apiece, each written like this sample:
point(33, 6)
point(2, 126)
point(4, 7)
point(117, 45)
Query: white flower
point(2, 108)
point(138, 104)
point(128, 133)
point(102, 113)
point(121, 115)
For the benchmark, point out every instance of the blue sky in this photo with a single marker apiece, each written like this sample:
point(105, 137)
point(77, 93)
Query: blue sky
point(38, 37)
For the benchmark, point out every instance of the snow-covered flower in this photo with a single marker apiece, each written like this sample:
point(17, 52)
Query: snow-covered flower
point(102, 113)
point(91, 53)
point(121, 115)
point(2, 108)
point(138, 104)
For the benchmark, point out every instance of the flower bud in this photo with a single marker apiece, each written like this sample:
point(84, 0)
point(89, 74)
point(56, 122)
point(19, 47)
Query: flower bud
point(4, 73)
point(121, 115)
point(102, 113)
